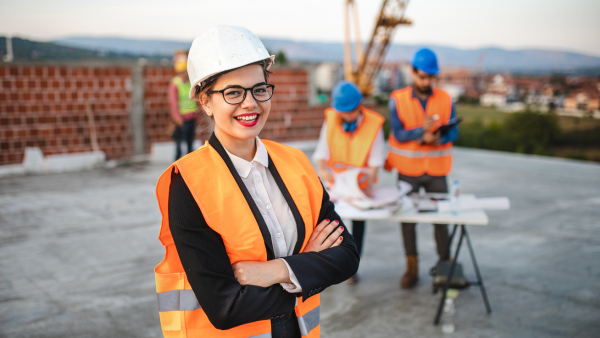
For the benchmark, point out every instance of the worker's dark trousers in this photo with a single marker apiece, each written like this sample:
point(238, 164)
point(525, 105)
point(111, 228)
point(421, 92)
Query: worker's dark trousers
point(409, 234)
point(187, 135)
point(358, 232)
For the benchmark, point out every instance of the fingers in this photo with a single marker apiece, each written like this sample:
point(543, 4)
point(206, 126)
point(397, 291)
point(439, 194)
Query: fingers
point(337, 242)
point(335, 237)
point(318, 229)
point(327, 231)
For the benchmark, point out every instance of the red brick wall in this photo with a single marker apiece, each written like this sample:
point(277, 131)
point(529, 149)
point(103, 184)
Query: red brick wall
point(45, 106)
point(157, 117)
point(291, 98)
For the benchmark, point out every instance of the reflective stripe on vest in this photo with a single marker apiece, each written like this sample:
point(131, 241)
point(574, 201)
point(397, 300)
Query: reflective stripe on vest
point(177, 300)
point(351, 149)
point(186, 106)
point(180, 313)
point(309, 321)
point(413, 158)
point(421, 154)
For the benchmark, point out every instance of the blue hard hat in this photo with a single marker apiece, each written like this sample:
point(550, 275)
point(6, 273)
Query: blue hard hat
point(345, 96)
point(426, 61)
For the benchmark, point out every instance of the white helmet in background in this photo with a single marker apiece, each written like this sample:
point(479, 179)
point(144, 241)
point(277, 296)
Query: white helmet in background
point(223, 48)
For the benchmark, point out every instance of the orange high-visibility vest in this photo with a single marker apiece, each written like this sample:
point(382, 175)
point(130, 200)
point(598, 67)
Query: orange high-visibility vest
point(211, 184)
point(351, 149)
point(413, 158)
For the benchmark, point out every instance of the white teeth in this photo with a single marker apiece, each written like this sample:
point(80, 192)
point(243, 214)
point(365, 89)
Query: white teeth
point(249, 118)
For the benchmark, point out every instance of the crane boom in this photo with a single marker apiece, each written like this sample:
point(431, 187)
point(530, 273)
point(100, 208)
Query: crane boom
point(369, 63)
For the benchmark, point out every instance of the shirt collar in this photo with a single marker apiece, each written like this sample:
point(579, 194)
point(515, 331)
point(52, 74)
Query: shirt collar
point(243, 167)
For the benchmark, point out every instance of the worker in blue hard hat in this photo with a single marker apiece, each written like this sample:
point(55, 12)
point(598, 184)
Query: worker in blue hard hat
point(420, 150)
point(351, 137)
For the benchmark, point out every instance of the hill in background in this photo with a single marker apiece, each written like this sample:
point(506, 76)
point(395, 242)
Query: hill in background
point(27, 50)
point(494, 59)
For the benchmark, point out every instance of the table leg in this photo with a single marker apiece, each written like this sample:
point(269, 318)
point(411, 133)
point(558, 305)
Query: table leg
point(479, 279)
point(450, 275)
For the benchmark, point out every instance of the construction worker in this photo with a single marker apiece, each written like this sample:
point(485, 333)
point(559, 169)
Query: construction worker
point(183, 110)
point(351, 137)
point(421, 154)
point(250, 235)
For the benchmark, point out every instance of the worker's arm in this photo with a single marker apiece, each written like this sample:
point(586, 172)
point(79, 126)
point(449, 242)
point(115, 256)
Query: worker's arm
point(321, 156)
point(375, 160)
point(202, 252)
point(401, 134)
point(452, 134)
point(174, 104)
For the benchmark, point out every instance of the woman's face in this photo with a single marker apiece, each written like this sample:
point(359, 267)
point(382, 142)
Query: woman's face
point(245, 120)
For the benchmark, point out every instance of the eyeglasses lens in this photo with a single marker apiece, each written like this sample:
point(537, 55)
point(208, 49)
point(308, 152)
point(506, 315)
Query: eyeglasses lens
point(236, 95)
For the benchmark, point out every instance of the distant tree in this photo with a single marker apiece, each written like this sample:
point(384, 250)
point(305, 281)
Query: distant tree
point(281, 58)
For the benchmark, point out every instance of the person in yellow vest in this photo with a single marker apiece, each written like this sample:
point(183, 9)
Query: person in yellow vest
point(251, 238)
point(421, 154)
point(351, 137)
point(183, 110)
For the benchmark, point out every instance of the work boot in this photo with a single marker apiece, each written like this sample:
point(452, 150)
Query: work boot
point(411, 276)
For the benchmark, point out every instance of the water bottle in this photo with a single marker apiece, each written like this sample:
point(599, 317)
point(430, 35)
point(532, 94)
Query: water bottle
point(454, 194)
point(448, 316)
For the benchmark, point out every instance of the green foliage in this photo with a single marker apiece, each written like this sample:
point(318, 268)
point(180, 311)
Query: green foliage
point(386, 128)
point(532, 132)
point(280, 58)
point(526, 132)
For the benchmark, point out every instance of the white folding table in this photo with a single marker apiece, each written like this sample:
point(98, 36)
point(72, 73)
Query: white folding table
point(408, 213)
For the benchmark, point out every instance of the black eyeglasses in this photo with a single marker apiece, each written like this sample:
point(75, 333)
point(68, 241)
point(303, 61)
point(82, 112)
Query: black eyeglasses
point(237, 94)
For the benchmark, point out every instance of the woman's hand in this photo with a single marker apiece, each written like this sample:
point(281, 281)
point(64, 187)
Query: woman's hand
point(324, 237)
point(263, 274)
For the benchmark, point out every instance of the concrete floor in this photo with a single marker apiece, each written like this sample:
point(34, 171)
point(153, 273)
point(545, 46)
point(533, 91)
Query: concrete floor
point(77, 252)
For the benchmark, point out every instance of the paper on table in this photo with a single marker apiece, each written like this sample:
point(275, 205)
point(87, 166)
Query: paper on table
point(346, 188)
point(381, 197)
point(490, 203)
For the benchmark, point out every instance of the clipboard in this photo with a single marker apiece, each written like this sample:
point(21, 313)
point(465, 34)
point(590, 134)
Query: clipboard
point(445, 128)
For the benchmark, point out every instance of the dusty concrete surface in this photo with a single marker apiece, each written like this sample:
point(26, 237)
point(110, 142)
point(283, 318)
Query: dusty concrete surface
point(77, 252)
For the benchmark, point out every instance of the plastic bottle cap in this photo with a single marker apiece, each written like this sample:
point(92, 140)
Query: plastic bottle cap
point(452, 293)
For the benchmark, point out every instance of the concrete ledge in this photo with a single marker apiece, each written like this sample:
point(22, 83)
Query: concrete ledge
point(34, 162)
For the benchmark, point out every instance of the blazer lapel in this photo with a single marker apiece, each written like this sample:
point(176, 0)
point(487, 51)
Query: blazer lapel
point(264, 230)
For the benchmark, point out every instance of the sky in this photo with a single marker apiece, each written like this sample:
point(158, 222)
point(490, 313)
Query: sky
point(512, 24)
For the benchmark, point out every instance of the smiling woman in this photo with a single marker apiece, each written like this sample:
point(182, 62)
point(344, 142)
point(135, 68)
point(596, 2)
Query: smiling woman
point(250, 235)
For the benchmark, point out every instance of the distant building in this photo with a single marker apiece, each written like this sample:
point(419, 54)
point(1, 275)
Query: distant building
point(327, 75)
point(583, 99)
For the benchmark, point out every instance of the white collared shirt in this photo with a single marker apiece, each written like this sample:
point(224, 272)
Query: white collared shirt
point(376, 154)
point(272, 206)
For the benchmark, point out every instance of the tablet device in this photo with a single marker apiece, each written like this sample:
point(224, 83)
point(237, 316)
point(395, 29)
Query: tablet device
point(453, 122)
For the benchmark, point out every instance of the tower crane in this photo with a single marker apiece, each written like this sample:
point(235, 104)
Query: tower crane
point(369, 63)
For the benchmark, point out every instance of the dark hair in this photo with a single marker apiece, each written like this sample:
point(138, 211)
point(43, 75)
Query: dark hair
point(207, 122)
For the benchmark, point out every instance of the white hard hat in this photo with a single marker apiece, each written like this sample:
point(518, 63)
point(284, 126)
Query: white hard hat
point(223, 48)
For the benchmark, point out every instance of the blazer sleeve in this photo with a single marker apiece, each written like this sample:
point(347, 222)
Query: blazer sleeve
point(203, 256)
point(316, 271)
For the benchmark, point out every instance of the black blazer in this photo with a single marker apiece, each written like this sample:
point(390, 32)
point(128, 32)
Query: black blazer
point(227, 303)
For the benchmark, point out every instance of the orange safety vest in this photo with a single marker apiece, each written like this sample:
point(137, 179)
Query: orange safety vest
point(211, 184)
point(351, 149)
point(413, 158)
